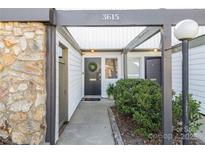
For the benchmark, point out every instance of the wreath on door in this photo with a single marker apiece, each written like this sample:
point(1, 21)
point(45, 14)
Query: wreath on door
point(92, 66)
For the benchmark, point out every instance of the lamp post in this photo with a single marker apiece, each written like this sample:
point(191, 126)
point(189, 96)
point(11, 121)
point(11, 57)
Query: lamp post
point(184, 31)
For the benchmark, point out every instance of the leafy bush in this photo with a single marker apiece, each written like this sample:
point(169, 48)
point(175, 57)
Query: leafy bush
point(194, 114)
point(110, 90)
point(141, 99)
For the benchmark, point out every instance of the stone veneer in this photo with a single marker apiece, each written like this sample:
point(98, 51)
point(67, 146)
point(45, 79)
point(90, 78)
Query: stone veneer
point(22, 82)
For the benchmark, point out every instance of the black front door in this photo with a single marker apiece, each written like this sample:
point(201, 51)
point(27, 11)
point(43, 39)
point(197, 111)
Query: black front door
point(153, 69)
point(92, 76)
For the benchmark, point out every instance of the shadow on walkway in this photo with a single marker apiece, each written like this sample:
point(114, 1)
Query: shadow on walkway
point(89, 125)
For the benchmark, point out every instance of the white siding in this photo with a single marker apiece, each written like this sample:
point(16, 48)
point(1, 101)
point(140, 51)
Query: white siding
point(103, 55)
point(74, 79)
point(105, 82)
point(196, 73)
point(142, 56)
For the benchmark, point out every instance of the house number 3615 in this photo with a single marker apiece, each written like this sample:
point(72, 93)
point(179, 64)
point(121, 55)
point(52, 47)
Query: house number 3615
point(111, 16)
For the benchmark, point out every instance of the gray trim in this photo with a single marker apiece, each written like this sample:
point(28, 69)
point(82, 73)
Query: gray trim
point(166, 84)
point(102, 50)
point(185, 92)
point(147, 17)
point(28, 14)
point(146, 34)
point(63, 46)
point(198, 41)
point(125, 65)
point(121, 50)
point(51, 83)
point(145, 50)
point(66, 34)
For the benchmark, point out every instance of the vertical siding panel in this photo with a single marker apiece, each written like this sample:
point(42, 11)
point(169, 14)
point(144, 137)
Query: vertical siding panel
point(196, 73)
point(74, 76)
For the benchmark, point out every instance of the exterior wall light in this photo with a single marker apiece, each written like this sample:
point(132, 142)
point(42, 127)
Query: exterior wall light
point(92, 50)
point(155, 50)
point(184, 31)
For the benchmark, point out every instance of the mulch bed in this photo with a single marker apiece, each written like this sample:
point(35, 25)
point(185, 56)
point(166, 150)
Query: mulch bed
point(130, 137)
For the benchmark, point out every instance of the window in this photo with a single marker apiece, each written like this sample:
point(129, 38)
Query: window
point(111, 68)
point(133, 67)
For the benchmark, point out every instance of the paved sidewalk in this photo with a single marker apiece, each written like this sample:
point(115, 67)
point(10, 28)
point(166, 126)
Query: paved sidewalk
point(89, 125)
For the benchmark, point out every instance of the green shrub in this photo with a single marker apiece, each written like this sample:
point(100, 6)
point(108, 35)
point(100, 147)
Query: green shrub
point(110, 90)
point(141, 99)
point(194, 114)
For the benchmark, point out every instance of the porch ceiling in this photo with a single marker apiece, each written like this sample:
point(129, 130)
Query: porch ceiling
point(110, 38)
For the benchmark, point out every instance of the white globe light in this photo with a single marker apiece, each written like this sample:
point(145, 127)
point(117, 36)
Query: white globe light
point(186, 29)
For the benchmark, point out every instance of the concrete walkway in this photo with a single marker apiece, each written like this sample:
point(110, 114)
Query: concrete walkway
point(89, 125)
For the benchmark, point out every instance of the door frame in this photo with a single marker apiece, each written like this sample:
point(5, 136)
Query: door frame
point(103, 79)
point(145, 64)
point(100, 58)
point(83, 71)
point(65, 49)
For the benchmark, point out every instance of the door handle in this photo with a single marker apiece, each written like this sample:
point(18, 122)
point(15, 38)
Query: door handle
point(99, 76)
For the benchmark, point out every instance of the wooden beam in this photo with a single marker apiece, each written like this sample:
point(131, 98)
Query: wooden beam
point(166, 84)
point(125, 72)
point(102, 50)
point(28, 14)
point(146, 34)
point(146, 17)
point(51, 83)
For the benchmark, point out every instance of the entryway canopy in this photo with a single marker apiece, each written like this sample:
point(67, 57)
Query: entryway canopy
point(100, 38)
point(155, 21)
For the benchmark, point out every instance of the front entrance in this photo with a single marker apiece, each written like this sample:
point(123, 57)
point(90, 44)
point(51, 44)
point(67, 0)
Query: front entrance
point(92, 76)
point(153, 69)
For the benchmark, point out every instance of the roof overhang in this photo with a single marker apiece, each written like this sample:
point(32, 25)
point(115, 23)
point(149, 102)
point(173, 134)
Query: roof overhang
point(146, 17)
point(28, 14)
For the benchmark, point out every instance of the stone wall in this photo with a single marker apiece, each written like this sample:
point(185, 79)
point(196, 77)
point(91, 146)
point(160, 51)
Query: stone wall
point(22, 82)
